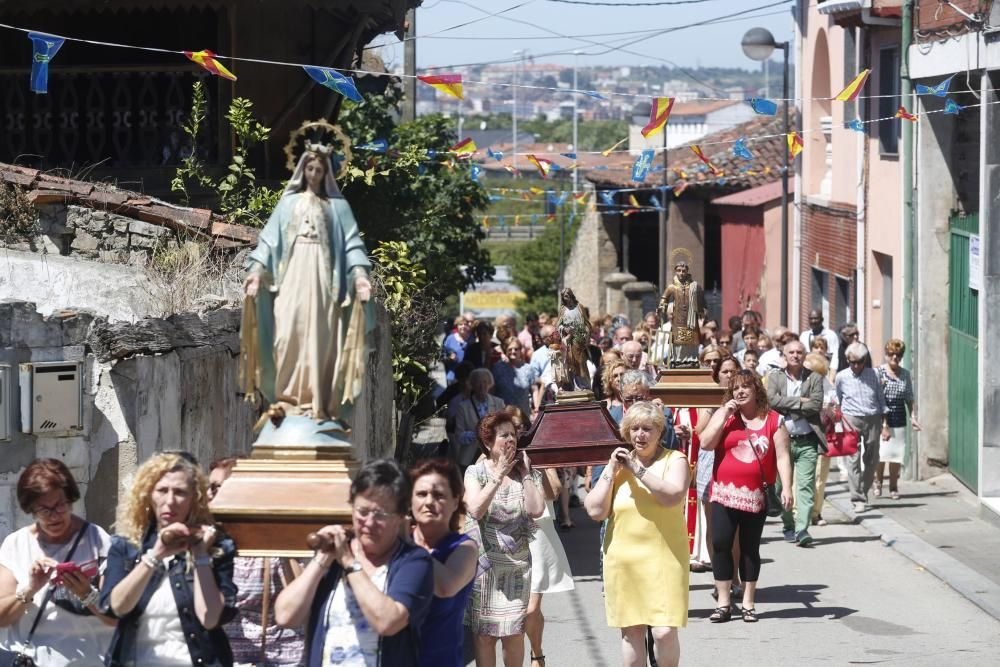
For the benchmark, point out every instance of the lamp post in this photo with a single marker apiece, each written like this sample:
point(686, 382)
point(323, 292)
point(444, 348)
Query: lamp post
point(640, 116)
point(519, 53)
point(576, 183)
point(758, 44)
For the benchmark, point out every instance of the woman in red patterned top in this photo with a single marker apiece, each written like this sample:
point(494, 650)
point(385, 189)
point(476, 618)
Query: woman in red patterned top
point(752, 449)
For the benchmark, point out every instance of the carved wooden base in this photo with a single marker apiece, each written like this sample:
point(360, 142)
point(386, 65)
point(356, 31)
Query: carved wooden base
point(571, 433)
point(269, 505)
point(687, 388)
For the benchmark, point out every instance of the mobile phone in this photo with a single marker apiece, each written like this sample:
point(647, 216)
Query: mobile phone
point(87, 569)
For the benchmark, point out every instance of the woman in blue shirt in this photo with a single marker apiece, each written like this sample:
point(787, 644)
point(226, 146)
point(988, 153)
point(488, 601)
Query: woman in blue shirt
point(437, 508)
point(364, 599)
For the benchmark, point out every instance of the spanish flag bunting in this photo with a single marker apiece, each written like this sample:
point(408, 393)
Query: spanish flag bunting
point(901, 112)
point(630, 211)
point(465, 148)
point(512, 169)
point(580, 197)
point(795, 144)
point(207, 60)
point(526, 196)
point(611, 150)
point(486, 221)
point(450, 84)
point(852, 89)
point(536, 191)
point(680, 173)
point(517, 220)
point(658, 116)
point(544, 166)
point(679, 187)
point(696, 149)
point(635, 202)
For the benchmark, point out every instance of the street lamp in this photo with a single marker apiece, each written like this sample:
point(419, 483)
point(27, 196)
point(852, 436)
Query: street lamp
point(519, 54)
point(758, 44)
point(576, 181)
point(640, 116)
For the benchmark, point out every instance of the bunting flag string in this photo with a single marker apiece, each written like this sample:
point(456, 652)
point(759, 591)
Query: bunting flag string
point(795, 145)
point(210, 63)
point(902, 113)
point(450, 84)
point(851, 90)
point(940, 90)
point(335, 81)
point(659, 114)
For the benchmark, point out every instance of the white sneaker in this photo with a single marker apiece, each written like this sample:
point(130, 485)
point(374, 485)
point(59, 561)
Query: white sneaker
point(860, 507)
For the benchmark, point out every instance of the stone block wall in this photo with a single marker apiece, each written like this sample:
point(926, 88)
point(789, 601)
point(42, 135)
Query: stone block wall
point(94, 234)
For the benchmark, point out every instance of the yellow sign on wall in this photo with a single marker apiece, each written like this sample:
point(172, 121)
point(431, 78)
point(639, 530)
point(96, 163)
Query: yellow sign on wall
point(491, 300)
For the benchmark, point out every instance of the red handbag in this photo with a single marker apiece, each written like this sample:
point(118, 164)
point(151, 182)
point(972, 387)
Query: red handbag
point(842, 441)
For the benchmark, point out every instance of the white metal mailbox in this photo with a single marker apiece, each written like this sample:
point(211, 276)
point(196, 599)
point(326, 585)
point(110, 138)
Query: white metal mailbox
point(51, 397)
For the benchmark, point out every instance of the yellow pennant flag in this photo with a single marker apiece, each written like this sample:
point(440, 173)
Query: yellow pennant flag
point(612, 149)
point(852, 89)
point(795, 144)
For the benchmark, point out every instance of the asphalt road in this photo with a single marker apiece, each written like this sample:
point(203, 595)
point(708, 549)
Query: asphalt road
point(847, 600)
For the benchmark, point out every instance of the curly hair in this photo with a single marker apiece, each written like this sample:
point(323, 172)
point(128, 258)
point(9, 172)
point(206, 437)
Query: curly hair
point(136, 514)
point(488, 427)
point(608, 375)
point(746, 378)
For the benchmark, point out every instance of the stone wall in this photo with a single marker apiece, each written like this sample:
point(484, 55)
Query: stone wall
point(592, 256)
point(93, 234)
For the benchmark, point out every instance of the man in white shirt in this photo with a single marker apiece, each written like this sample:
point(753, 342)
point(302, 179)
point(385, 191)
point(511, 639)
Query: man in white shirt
point(815, 329)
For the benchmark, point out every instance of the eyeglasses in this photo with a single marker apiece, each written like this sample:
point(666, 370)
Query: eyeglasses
point(48, 512)
point(633, 398)
point(856, 362)
point(898, 355)
point(378, 516)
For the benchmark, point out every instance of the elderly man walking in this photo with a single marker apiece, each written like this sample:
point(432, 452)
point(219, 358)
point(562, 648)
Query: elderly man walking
point(796, 393)
point(863, 403)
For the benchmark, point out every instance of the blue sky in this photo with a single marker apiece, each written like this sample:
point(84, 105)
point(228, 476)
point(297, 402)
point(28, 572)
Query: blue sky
point(492, 38)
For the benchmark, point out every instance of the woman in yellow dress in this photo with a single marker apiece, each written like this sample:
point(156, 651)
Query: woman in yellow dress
point(641, 493)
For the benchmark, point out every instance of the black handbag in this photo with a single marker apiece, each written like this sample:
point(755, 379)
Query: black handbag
point(22, 659)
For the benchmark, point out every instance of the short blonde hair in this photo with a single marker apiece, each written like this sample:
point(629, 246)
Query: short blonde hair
point(643, 411)
point(817, 363)
point(137, 512)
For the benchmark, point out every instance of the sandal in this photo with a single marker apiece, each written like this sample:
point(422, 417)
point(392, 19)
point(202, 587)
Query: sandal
point(540, 659)
point(894, 495)
point(877, 489)
point(749, 615)
point(721, 615)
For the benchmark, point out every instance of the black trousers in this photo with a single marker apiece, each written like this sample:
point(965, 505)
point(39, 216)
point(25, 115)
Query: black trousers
point(725, 522)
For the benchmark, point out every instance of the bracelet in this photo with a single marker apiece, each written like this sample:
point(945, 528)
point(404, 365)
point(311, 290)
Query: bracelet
point(151, 561)
point(21, 595)
point(606, 477)
point(202, 561)
point(90, 598)
point(640, 472)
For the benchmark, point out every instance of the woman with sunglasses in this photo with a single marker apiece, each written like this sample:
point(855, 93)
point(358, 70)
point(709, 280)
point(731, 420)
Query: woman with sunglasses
point(365, 594)
point(70, 629)
point(898, 388)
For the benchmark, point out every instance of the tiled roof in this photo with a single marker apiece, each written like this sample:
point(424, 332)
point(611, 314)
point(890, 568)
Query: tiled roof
point(737, 173)
point(755, 196)
point(42, 188)
point(551, 151)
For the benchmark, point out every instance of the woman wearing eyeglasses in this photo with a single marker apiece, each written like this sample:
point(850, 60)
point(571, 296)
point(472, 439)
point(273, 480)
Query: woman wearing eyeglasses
point(898, 389)
point(503, 497)
point(364, 599)
point(70, 629)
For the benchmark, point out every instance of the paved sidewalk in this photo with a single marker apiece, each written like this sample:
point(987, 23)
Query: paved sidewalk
point(937, 524)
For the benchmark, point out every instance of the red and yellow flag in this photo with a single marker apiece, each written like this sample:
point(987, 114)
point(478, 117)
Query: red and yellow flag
point(696, 149)
point(450, 84)
point(679, 187)
point(795, 144)
point(544, 166)
point(852, 89)
point(901, 112)
point(658, 116)
point(465, 148)
point(207, 60)
point(511, 169)
point(580, 197)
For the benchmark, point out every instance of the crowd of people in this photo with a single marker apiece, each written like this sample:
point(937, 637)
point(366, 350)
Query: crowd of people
point(467, 541)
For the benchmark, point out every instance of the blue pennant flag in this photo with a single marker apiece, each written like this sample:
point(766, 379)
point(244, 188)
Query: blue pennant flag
point(762, 106)
point(642, 165)
point(655, 201)
point(376, 146)
point(951, 107)
point(534, 219)
point(740, 149)
point(431, 153)
point(561, 199)
point(607, 198)
point(496, 155)
point(43, 50)
point(475, 171)
point(502, 220)
point(722, 181)
point(657, 169)
point(421, 169)
point(593, 93)
point(857, 125)
point(601, 167)
point(571, 156)
point(940, 90)
point(335, 81)
point(495, 197)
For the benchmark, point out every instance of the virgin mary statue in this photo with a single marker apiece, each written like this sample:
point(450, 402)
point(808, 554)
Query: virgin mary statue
point(304, 333)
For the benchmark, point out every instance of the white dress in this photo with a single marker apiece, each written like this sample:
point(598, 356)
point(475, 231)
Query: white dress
point(550, 571)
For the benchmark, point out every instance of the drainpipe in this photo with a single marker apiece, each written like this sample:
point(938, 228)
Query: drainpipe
point(861, 202)
point(909, 258)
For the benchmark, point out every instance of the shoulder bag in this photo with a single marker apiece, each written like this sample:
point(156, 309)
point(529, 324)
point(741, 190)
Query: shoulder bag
point(841, 437)
point(23, 658)
point(772, 503)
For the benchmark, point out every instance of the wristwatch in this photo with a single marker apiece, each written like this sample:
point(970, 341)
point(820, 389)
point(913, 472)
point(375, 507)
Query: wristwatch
point(21, 594)
point(356, 566)
point(640, 472)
